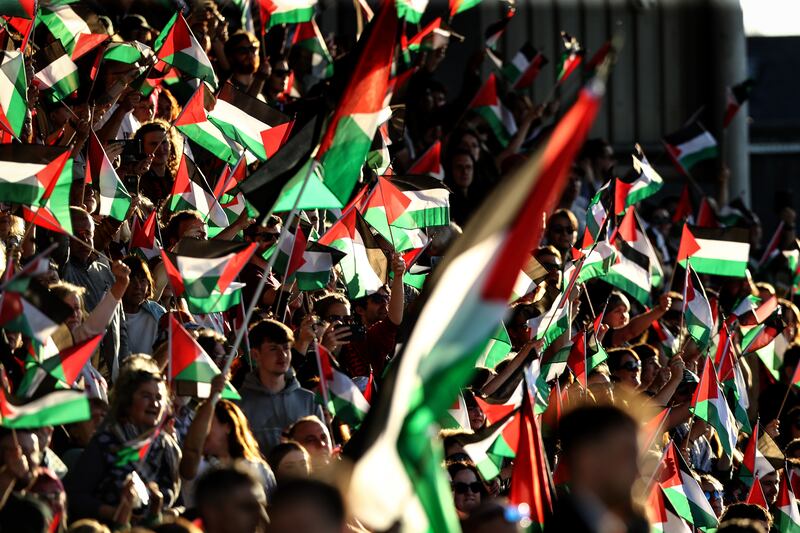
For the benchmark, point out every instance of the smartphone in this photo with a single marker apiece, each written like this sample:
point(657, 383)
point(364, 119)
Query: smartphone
point(142, 494)
point(133, 151)
point(357, 329)
point(131, 182)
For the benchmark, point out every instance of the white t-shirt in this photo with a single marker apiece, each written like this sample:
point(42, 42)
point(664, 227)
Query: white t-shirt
point(142, 331)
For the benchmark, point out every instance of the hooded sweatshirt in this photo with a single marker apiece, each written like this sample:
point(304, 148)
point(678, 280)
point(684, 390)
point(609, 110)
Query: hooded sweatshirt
point(271, 413)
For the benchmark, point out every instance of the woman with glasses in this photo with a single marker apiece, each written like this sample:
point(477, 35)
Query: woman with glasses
point(468, 488)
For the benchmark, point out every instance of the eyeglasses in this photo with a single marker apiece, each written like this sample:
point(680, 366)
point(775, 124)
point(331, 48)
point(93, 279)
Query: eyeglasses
point(562, 229)
point(715, 495)
point(631, 366)
point(459, 487)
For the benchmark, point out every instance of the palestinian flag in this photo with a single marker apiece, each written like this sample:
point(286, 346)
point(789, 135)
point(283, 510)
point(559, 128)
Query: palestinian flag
point(552, 324)
point(135, 452)
point(746, 310)
point(411, 10)
point(696, 310)
point(532, 274)
point(661, 514)
point(130, 53)
point(706, 215)
point(114, 198)
point(58, 76)
point(365, 267)
point(637, 269)
point(524, 67)
point(194, 123)
point(709, 404)
point(61, 366)
point(690, 145)
point(190, 191)
point(684, 208)
point(754, 465)
point(56, 408)
point(497, 349)
point(597, 212)
point(307, 36)
point(495, 30)
point(715, 251)
point(430, 37)
point(245, 119)
point(202, 271)
point(343, 149)
point(758, 337)
point(143, 236)
point(318, 261)
point(530, 479)
point(647, 183)
point(459, 6)
point(177, 46)
point(756, 495)
point(68, 27)
point(29, 308)
point(191, 368)
point(430, 162)
point(342, 398)
point(384, 207)
point(13, 92)
point(25, 9)
point(652, 432)
point(428, 202)
point(599, 260)
point(732, 380)
point(585, 355)
point(466, 300)
point(571, 57)
point(683, 492)
point(785, 513)
point(487, 104)
point(491, 445)
point(289, 253)
point(737, 96)
point(277, 12)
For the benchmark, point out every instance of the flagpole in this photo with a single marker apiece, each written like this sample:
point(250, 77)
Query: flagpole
point(683, 311)
point(262, 282)
point(786, 396)
point(169, 352)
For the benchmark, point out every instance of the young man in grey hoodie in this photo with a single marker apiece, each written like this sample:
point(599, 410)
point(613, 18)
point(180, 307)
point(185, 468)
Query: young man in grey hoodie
point(272, 398)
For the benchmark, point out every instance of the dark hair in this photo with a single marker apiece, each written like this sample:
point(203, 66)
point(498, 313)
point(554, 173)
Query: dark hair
point(216, 483)
point(563, 212)
point(590, 424)
point(280, 451)
point(139, 268)
point(593, 148)
point(645, 351)
point(269, 330)
point(748, 511)
point(207, 338)
point(615, 356)
point(615, 299)
point(741, 525)
point(172, 230)
point(454, 467)
point(323, 497)
point(271, 222)
point(794, 444)
point(236, 39)
point(791, 357)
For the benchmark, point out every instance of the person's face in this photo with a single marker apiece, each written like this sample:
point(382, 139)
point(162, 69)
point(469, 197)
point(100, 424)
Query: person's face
point(519, 333)
point(279, 79)
point(245, 57)
point(76, 318)
point(606, 161)
point(137, 290)
point(463, 171)
point(713, 496)
point(649, 370)
point(630, 371)
point(238, 511)
point(466, 490)
point(476, 417)
point(294, 464)
point(618, 317)
point(314, 438)
point(377, 308)
point(769, 483)
point(83, 229)
point(144, 110)
point(89, 199)
point(156, 143)
point(274, 358)
point(145, 410)
point(561, 233)
point(218, 354)
point(266, 237)
point(193, 229)
point(439, 99)
point(337, 312)
point(217, 439)
point(164, 108)
point(471, 144)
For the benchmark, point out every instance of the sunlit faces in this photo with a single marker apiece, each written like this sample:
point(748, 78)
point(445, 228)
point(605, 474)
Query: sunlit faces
point(274, 358)
point(147, 404)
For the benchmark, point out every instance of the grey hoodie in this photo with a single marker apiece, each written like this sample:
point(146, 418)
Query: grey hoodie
point(270, 413)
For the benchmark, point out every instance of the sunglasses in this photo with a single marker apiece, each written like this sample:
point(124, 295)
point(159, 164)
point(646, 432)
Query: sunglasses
point(459, 487)
point(715, 495)
point(631, 366)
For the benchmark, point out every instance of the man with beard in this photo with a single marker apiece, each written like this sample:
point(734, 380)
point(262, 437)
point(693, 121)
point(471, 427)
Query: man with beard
point(247, 72)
